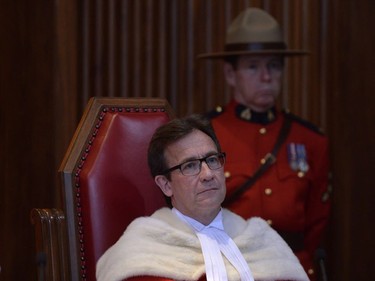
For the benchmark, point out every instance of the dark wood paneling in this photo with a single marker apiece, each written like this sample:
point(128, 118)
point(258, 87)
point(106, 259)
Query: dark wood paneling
point(37, 119)
point(352, 115)
point(27, 142)
point(57, 54)
point(65, 91)
point(149, 48)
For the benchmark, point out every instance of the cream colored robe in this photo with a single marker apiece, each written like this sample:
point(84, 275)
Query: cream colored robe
point(162, 245)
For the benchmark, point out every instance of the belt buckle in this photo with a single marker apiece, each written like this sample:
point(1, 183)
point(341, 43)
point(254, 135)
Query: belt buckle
point(269, 158)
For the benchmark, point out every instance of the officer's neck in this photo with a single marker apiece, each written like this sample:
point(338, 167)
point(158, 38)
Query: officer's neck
point(250, 115)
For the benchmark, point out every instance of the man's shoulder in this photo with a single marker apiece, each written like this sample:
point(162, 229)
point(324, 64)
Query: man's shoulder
point(216, 112)
point(234, 224)
point(303, 122)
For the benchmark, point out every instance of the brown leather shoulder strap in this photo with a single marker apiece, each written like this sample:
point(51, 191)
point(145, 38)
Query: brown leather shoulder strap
point(267, 161)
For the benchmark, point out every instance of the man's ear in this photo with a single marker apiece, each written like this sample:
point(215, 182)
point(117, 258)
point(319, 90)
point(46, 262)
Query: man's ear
point(229, 74)
point(164, 185)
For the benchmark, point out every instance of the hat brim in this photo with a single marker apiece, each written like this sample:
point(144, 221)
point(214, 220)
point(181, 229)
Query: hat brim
point(219, 55)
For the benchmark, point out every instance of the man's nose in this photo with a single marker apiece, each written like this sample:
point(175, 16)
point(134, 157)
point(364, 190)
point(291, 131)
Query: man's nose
point(205, 170)
point(265, 72)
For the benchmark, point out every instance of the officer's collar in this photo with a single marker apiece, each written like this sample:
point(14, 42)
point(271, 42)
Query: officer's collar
point(249, 115)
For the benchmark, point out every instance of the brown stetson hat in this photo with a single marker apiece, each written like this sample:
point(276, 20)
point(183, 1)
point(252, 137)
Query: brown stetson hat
point(254, 32)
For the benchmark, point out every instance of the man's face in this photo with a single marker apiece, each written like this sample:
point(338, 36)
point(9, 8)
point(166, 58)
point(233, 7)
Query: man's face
point(256, 80)
point(199, 194)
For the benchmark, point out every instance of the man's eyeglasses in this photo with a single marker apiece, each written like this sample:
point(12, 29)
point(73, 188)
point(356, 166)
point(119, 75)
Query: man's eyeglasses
point(193, 167)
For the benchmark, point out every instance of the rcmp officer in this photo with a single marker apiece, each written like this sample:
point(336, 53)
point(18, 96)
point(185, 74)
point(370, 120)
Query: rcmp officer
point(277, 164)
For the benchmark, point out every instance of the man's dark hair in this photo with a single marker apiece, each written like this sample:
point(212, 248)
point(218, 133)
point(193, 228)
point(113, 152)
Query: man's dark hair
point(172, 132)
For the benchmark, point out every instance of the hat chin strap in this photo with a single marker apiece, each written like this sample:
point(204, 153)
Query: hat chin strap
point(255, 46)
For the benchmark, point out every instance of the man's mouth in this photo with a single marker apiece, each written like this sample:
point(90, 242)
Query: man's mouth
point(208, 190)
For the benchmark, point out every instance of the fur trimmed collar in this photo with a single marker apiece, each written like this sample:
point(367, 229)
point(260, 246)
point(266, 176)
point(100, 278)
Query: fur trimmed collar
point(162, 245)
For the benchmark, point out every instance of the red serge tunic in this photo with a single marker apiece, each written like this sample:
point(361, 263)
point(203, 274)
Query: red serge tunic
point(295, 203)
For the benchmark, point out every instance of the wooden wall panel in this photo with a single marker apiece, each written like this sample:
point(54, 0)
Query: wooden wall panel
point(38, 115)
point(352, 115)
point(149, 48)
point(26, 145)
point(57, 54)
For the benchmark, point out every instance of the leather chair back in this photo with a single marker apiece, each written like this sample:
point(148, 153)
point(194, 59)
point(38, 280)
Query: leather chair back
point(105, 176)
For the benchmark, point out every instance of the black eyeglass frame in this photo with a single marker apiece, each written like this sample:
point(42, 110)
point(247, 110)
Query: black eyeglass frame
point(220, 155)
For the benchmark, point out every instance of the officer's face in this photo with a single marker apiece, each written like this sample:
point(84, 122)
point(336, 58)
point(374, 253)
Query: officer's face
point(256, 80)
point(199, 195)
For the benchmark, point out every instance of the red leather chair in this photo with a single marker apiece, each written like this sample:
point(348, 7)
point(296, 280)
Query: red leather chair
point(105, 185)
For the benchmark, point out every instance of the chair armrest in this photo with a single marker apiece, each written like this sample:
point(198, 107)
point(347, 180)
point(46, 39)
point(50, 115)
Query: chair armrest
point(51, 244)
